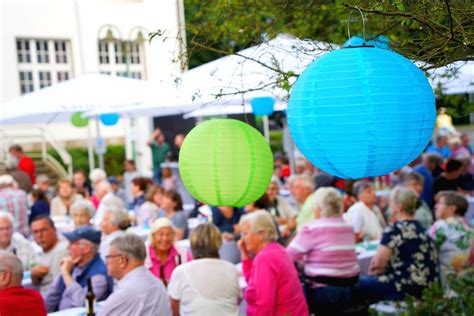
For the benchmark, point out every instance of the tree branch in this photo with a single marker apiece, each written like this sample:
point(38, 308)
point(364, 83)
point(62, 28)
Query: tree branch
point(450, 18)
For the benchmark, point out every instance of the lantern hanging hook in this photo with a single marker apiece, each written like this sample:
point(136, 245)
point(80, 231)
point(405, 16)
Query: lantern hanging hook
point(349, 25)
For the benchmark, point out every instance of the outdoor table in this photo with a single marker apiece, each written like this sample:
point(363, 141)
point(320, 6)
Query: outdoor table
point(365, 252)
point(75, 311)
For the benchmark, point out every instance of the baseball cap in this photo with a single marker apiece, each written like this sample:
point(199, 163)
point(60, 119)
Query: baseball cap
point(113, 180)
point(84, 232)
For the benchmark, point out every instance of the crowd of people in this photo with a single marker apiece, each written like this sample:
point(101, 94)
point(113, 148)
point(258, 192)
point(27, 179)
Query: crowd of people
point(297, 242)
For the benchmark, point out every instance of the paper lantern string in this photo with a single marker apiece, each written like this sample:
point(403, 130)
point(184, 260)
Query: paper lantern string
point(363, 27)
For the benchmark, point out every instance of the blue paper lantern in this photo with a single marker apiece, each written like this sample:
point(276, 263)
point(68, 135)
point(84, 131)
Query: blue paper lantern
point(380, 42)
point(262, 105)
point(360, 112)
point(109, 119)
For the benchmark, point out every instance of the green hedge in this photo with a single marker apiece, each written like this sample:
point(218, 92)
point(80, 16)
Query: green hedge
point(113, 159)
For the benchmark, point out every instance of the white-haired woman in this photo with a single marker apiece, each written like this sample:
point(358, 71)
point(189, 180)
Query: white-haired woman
point(326, 249)
point(406, 260)
point(162, 255)
point(82, 212)
point(273, 284)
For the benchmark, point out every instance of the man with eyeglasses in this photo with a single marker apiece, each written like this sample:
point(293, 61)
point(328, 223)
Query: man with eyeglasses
point(14, 298)
point(15, 243)
point(69, 289)
point(54, 251)
point(138, 291)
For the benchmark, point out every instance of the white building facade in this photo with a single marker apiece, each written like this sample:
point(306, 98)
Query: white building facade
point(47, 41)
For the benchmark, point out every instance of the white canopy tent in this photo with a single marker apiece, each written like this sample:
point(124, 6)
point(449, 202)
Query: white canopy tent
point(459, 82)
point(56, 103)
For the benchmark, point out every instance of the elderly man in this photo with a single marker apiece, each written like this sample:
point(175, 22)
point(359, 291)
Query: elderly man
point(54, 251)
point(106, 196)
point(139, 292)
point(15, 243)
point(14, 299)
point(15, 202)
point(70, 287)
point(423, 213)
point(364, 215)
point(302, 187)
point(113, 225)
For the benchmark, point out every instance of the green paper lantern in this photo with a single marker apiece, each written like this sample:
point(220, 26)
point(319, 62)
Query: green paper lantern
point(78, 120)
point(225, 162)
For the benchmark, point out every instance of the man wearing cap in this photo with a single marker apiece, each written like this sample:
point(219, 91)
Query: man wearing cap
point(69, 288)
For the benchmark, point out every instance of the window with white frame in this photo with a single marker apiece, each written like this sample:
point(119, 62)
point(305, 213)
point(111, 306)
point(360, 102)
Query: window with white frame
point(60, 52)
point(42, 52)
point(120, 58)
point(44, 79)
point(42, 62)
point(23, 51)
point(104, 52)
point(62, 76)
point(26, 81)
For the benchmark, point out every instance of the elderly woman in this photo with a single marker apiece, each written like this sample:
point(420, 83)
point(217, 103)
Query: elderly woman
point(61, 204)
point(326, 247)
point(113, 225)
point(280, 209)
point(82, 212)
point(207, 285)
point(162, 256)
point(406, 259)
point(273, 284)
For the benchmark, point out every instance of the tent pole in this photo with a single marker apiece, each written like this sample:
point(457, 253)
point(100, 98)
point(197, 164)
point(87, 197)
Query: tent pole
point(266, 128)
point(99, 145)
point(90, 147)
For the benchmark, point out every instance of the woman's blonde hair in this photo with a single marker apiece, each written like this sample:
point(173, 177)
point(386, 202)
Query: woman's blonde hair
point(205, 241)
point(329, 201)
point(407, 198)
point(261, 221)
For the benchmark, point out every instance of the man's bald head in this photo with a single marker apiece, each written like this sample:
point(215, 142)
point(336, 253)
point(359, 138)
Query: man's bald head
point(11, 270)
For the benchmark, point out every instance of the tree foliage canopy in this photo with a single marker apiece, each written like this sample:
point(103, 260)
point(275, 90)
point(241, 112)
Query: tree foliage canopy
point(435, 33)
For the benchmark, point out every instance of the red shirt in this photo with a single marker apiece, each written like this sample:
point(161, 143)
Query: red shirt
point(28, 165)
point(18, 301)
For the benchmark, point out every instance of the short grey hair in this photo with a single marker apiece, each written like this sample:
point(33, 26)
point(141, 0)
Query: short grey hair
point(97, 174)
point(42, 178)
point(360, 186)
point(12, 264)
point(305, 179)
point(406, 197)
point(8, 216)
point(11, 163)
point(261, 221)
point(119, 214)
point(83, 205)
point(433, 158)
point(412, 177)
point(329, 201)
point(131, 246)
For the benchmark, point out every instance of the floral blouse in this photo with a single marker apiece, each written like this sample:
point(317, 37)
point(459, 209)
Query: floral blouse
point(453, 238)
point(413, 263)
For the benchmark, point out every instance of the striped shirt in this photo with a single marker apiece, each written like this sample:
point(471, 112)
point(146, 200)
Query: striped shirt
point(15, 202)
point(328, 248)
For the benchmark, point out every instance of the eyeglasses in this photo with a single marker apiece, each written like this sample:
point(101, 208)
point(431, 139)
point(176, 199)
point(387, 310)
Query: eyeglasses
point(108, 257)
